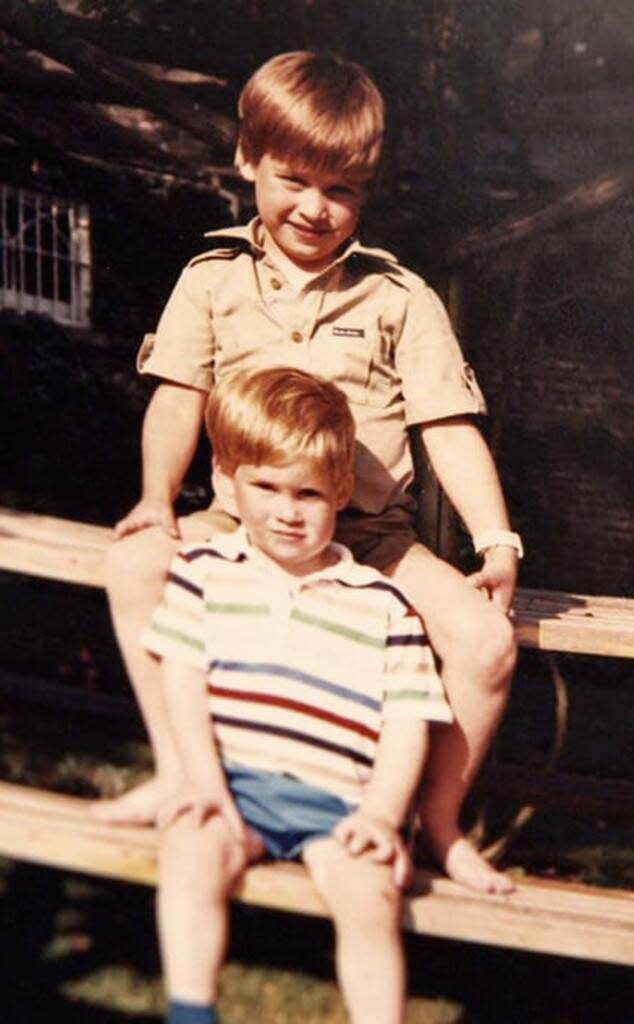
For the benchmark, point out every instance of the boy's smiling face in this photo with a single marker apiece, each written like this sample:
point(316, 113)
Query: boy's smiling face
point(289, 512)
point(308, 214)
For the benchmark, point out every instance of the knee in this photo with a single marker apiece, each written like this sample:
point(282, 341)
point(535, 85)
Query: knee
point(371, 906)
point(497, 644)
point(489, 646)
point(362, 896)
point(197, 862)
point(135, 565)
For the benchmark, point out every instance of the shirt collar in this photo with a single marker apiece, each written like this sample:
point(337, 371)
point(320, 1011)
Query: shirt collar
point(252, 235)
point(249, 234)
point(236, 546)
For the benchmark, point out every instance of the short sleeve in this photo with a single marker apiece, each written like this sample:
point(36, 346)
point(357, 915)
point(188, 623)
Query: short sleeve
point(412, 686)
point(176, 629)
point(437, 382)
point(182, 349)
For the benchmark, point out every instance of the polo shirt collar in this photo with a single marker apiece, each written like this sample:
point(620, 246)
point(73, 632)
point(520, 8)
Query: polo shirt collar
point(236, 546)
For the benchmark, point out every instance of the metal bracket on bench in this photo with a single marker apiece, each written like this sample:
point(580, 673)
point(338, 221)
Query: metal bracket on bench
point(499, 847)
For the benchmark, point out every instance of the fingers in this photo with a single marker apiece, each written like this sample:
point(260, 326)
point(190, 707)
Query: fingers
point(171, 528)
point(479, 580)
point(403, 870)
point(124, 527)
point(143, 517)
point(502, 598)
point(496, 588)
point(364, 836)
point(234, 821)
point(170, 811)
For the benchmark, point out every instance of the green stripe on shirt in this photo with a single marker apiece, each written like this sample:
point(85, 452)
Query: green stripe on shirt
point(417, 695)
point(178, 635)
point(336, 627)
point(236, 608)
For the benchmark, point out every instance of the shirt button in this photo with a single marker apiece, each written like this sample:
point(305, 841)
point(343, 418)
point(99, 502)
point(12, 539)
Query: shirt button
point(296, 336)
point(276, 284)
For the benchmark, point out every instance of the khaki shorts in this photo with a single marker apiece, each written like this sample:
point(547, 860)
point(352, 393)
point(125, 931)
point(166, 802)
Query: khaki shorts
point(378, 540)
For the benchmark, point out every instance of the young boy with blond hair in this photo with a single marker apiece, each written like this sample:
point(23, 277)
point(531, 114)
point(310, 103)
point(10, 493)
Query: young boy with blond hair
point(295, 287)
point(318, 724)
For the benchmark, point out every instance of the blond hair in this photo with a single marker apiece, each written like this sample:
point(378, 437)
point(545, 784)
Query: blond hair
point(319, 110)
point(276, 415)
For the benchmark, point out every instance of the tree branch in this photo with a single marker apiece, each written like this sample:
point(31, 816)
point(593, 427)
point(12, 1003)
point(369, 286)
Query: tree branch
point(583, 201)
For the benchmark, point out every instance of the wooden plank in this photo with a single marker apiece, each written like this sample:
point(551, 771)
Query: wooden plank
point(72, 551)
point(53, 548)
point(541, 916)
point(575, 623)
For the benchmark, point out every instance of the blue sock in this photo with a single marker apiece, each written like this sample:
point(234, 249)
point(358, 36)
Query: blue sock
point(191, 1013)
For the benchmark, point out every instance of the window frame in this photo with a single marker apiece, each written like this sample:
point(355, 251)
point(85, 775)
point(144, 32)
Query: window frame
point(46, 264)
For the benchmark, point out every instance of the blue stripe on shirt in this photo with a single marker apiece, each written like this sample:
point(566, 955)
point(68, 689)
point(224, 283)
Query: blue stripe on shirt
point(284, 672)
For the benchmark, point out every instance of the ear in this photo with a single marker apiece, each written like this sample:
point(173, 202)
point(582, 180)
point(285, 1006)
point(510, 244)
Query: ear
point(345, 492)
point(246, 168)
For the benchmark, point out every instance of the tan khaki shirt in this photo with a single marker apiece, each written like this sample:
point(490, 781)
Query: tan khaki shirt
point(375, 329)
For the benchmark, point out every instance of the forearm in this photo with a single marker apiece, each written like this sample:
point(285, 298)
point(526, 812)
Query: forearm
point(171, 431)
point(467, 474)
point(397, 770)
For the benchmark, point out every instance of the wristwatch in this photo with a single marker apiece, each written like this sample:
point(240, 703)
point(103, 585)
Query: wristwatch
point(498, 539)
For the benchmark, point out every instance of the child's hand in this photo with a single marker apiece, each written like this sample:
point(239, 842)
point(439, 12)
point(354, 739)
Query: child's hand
point(148, 512)
point(202, 805)
point(363, 834)
point(498, 576)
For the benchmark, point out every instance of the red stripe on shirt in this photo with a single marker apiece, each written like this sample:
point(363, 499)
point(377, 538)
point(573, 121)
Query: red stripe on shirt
point(253, 697)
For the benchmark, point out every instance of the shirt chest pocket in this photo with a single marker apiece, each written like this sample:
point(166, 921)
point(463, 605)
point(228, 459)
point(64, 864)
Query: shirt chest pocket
point(360, 361)
point(249, 340)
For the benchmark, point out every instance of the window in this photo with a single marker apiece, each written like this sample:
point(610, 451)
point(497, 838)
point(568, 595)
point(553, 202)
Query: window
point(45, 264)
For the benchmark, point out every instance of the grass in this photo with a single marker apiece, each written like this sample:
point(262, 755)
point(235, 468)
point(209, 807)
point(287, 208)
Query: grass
point(83, 951)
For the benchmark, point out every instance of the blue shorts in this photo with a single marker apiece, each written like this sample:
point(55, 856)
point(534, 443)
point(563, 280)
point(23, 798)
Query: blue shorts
point(285, 812)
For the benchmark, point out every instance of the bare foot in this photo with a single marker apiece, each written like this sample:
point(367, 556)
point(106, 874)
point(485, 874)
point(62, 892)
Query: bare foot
point(139, 806)
point(464, 864)
point(461, 862)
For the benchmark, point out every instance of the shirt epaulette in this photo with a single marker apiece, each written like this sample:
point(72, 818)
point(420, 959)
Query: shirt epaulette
point(383, 261)
point(359, 252)
point(401, 276)
point(223, 252)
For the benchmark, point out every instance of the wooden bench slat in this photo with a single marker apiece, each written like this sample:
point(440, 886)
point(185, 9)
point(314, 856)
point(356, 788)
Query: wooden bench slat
point(71, 551)
point(571, 638)
point(541, 916)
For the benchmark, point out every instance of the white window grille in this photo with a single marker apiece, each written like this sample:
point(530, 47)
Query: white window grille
point(46, 266)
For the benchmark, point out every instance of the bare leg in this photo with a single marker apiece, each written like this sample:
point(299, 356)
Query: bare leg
point(136, 570)
point(475, 643)
point(198, 867)
point(365, 906)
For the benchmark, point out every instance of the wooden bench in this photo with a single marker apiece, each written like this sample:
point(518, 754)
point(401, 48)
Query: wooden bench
point(541, 915)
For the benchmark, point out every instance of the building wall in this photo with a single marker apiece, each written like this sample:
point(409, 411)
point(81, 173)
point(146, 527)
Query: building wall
point(565, 454)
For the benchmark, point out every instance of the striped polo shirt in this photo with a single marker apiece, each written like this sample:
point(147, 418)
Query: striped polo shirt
point(301, 671)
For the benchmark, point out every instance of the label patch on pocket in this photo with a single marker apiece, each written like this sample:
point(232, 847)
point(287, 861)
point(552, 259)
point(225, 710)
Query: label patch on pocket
point(348, 332)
